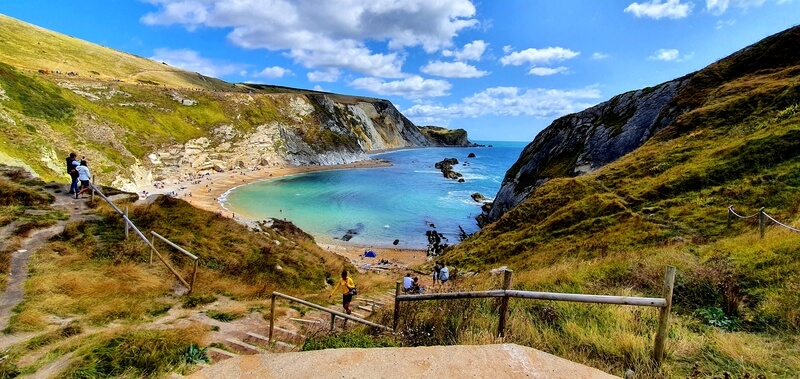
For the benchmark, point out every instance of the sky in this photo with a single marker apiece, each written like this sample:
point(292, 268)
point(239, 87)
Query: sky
point(501, 69)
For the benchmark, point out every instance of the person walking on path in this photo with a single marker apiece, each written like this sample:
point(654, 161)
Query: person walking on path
point(444, 274)
point(84, 176)
point(72, 163)
point(347, 286)
point(436, 269)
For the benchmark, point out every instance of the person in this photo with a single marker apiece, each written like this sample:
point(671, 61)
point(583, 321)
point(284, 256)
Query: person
point(444, 274)
point(84, 176)
point(346, 284)
point(436, 269)
point(73, 174)
point(407, 283)
point(415, 287)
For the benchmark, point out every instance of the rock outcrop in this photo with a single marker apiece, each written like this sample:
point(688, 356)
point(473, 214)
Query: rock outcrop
point(585, 141)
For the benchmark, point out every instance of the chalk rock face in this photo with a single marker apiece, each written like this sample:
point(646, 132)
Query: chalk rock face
point(585, 141)
point(313, 129)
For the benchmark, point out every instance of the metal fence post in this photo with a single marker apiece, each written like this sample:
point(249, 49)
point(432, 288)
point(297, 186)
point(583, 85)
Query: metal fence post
point(501, 326)
point(127, 227)
point(663, 316)
point(271, 317)
point(761, 221)
point(396, 305)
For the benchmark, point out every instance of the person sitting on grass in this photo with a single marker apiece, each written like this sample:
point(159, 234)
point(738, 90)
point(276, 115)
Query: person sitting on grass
point(408, 283)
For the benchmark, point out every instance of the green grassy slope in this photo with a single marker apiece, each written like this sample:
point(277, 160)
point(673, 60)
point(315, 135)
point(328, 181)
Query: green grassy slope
point(614, 230)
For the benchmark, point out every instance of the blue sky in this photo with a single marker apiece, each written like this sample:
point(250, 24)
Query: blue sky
point(501, 69)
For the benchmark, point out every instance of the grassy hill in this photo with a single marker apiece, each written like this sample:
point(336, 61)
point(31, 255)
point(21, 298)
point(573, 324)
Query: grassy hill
point(613, 231)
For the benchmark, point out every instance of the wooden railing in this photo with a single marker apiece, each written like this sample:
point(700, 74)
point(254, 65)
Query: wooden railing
point(333, 313)
point(129, 224)
point(664, 303)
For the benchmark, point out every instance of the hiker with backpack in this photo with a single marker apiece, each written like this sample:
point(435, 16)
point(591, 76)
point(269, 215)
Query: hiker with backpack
point(348, 288)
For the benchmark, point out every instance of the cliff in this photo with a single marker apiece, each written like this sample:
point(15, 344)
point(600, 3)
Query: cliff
point(583, 142)
point(138, 121)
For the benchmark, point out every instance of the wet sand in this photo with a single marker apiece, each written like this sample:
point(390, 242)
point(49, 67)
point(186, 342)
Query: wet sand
point(203, 192)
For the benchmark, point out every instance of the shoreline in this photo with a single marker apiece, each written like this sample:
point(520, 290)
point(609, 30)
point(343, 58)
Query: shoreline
point(204, 191)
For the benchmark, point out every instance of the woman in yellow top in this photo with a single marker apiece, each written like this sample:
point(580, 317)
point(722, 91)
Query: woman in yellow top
point(346, 284)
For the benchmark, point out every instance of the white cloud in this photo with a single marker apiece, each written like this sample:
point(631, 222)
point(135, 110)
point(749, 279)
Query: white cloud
point(724, 23)
point(669, 55)
point(330, 75)
point(545, 71)
point(471, 51)
point(718, 7)
point(414, 87)
point(538, 56)
point(507, 49)
point(510, 101)
point(327, 34)
point(599, 56)
point(319, 88)
point(273, 72)
point(452, 70)
point(191, 60)
point(656, 9)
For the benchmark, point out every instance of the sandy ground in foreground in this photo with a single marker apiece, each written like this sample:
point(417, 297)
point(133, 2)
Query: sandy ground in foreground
point(203, 192)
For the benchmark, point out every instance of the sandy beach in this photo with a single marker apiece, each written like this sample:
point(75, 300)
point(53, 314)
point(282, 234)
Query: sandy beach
point(203, 192)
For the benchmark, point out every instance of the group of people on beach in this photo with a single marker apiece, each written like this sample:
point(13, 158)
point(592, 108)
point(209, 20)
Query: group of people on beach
point(78, 171)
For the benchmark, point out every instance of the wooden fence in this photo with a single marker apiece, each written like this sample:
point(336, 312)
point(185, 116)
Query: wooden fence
point(129, 224)
point(333, 313)
point(664, 303)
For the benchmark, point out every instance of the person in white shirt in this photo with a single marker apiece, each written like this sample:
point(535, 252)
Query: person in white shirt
point(83, 176)
point(408, 283)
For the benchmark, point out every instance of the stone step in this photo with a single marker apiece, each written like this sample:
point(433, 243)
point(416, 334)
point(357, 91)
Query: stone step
point(242, 347)
point(287, 335)
point(260, 340)
point(306, 321)
point(363, 308)
point(218, 355)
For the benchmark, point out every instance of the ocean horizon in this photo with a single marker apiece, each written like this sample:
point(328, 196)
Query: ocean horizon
point(383, 204)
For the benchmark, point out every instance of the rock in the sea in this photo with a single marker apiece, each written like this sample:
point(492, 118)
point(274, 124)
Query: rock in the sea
point(396, 242)
point(478, 197)
point(471, 155)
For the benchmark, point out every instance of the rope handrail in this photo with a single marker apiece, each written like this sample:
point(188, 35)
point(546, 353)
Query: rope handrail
point(781, 224)
point(765, 216)
point(730, 208)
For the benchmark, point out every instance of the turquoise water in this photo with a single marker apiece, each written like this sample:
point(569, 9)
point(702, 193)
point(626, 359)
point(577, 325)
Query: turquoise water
point(386, 203)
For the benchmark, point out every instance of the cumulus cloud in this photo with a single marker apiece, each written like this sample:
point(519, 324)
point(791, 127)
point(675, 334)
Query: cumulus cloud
point(599, 56)
point(452, 70)
point(327, 34)
point(273, 72)
point(669, 55)
point(414, 87)
point(191, 60)
point(330, 75)
point(471, 51)
point(546, 71)
point(718, 7)
point(510, 101)
point(656, 9)
point(538, 56)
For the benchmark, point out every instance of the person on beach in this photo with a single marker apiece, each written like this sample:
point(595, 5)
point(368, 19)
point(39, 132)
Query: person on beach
point(84, 176)
point(73, 174)
point(436, 269)
point(408, 283)
point(347, 285)
point(444, 274)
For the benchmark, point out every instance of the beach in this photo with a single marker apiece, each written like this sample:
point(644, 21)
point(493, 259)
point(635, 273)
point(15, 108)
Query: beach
point(204, 190)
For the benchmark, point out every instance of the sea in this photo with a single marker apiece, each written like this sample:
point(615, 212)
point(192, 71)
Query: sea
point(377, 206)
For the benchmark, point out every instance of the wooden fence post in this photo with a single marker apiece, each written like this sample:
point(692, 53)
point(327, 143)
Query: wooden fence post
point(93, 176)
point(152, 247)
point(127, 227)
point(663, 316)
point(333, 322)
point(271, 317)
point(396, 305)
point(729, 217)
point(194, 275)
point(761, 221)
point(501, 326)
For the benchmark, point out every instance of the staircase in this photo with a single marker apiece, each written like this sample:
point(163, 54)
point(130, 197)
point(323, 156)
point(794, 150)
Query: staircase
point(290, 331)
